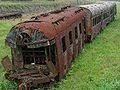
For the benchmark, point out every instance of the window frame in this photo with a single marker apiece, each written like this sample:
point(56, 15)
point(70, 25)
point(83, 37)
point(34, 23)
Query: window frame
point(63, 42)
point(76, 32)
point(80, 28)
point(70, 37)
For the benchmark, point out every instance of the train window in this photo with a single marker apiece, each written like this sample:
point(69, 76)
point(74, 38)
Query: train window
point(80, 29)
point(96, 20)
point(100, 17)
point(111, 11)
point(76, 33)
point(93, 21)
point(70, 37)
point(63, 44)
point(33, 55)
point(53, 53)
point(105, 15)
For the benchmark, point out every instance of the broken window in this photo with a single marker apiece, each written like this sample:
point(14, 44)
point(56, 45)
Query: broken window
point(80, 28)
point(63, 44)
point(70, 37)
point(76, 33)
point(34, 55)
point(53, 53)
point(38, 55)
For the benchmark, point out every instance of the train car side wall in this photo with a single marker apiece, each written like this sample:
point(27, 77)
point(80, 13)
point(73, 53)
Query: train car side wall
point(69, 43)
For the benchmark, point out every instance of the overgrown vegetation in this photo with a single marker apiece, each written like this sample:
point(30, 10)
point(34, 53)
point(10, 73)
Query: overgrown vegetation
point(4, 50)
point(96, 68)
point(38, 5)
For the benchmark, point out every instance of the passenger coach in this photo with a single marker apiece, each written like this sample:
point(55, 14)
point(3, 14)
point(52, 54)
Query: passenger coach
point(43, 47)
point(97, 17)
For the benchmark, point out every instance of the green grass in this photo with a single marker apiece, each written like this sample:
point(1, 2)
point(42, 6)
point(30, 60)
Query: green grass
point(4, 50)
point(97, 67)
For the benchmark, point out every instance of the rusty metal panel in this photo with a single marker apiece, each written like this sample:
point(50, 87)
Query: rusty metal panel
point(59, 57)
point(109, 4)
point(94, 9)
point(6, 64)
point(49, 25)
point(52, 68)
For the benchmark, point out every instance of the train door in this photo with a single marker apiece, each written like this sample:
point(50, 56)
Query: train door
point(64, 54)
point(61, 55)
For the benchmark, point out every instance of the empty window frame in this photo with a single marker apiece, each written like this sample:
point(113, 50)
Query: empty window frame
point(34, 55)
point(80, 28)
point(105, 15)
point(70, 37)
point(97, 20)
point(100, 18)
point(111, 11)
point(76, 33)
point(63, 44)
point(93, 21)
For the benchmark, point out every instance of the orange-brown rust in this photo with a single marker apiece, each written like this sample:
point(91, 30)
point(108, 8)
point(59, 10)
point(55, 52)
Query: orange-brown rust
point(54, 23)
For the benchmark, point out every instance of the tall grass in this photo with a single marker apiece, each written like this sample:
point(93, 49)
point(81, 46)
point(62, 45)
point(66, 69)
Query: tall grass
point(39, 5)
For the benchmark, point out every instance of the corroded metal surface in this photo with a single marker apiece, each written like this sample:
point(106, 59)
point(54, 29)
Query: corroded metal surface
point(34, 47)
point(49, 24)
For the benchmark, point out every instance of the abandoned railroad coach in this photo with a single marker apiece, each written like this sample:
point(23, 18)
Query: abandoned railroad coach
point(98, 16)
point(43, 47)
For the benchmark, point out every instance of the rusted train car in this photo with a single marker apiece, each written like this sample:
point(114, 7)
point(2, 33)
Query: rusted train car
point(43, 48)
point(98, 16)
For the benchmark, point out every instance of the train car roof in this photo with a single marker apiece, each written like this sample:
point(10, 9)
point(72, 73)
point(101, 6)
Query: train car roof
point(52, 23)
point(109, 4)
point(95, 9)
